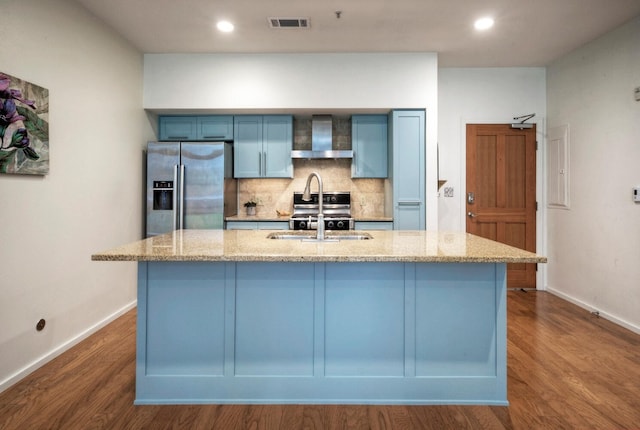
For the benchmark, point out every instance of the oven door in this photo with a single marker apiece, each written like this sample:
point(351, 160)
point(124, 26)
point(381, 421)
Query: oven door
point(330, 223)
point(302, 223)
point(340, 223)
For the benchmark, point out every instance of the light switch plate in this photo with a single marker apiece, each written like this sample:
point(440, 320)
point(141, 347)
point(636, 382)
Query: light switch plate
point(636, 194)
point(637, 93)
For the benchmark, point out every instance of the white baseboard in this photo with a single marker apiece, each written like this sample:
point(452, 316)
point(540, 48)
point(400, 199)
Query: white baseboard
point(64, 347)
point(589, 307)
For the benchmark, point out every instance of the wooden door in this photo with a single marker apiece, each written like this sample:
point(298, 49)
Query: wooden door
point(501, 191)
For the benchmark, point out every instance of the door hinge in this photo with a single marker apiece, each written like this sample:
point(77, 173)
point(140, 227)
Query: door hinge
point(536, 206)
point(536, 145)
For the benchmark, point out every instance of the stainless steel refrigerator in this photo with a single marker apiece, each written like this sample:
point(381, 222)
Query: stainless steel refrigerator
point(190, 185)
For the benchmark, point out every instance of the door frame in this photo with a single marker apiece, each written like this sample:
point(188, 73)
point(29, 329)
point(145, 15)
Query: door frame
point(541, 198)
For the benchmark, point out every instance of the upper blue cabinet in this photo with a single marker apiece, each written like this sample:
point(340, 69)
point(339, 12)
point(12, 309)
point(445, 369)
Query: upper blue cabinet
point(178, 128)
point(217, 127)
point(262, 146)
point(370, 146)
point(207, 127)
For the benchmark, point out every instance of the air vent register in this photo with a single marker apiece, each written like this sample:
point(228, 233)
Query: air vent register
point(288, 22)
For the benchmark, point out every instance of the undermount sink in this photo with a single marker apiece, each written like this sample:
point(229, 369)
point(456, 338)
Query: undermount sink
point(291, 236)
point(348, 236)
point(311, 237)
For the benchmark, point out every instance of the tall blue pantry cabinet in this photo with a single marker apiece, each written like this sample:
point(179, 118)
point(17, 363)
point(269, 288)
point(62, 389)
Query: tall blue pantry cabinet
point(407, 164)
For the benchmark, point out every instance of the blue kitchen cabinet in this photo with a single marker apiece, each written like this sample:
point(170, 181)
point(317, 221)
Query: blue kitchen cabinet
point(262, 146)
point(277, 145)
point(178, 128)
point(370, 148)
point(187, 127)
point(257, 225)
point(242, 225)
point(407, 131)
point(247, 146)
point(373, 225)
point(215, 127)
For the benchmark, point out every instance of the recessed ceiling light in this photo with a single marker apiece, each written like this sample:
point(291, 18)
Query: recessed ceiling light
point(484, 23)
point(225, 26)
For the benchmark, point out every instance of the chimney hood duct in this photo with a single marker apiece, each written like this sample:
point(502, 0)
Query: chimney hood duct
point(321, 141)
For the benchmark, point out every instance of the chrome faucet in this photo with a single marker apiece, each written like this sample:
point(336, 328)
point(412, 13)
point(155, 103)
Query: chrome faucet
point(306, 196)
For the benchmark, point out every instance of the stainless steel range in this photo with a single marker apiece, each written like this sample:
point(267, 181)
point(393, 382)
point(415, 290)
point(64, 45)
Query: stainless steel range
point(336, 209)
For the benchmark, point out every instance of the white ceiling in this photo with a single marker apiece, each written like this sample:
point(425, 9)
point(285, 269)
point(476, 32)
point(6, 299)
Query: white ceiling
point(526, 33)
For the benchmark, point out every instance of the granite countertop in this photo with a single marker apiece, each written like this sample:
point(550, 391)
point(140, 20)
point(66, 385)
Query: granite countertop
point(253, 245)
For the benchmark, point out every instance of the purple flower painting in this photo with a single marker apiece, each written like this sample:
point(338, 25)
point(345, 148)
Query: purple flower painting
point(24, 127)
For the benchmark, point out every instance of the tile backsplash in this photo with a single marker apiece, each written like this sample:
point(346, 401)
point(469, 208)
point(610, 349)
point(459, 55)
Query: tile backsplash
point(340, 130)
point(367, 195)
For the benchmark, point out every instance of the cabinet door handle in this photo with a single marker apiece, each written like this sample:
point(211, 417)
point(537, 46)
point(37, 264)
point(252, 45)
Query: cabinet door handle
point(409, 203)
point(264, 171)
point(259, 163)
point(178, 137)
point(213, 137)
point(353, 162)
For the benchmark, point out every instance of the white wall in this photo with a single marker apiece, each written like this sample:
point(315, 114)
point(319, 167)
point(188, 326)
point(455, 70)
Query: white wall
point(90, 200)
point(481, 95)
point(594, 247)
point(300, 82)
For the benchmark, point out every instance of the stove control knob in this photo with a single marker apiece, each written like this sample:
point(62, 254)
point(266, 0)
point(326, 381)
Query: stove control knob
point(330, 224)
point(303, 224)
point(340, 224)
point(334, 199)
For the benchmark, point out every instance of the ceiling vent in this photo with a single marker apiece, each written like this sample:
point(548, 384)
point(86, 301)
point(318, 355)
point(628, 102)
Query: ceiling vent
point(289, 22)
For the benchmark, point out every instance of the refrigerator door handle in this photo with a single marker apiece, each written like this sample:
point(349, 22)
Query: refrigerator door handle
point(182, 199)
point(175, 196)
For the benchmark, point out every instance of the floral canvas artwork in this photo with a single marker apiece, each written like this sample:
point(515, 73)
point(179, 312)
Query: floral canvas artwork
point(24, 127)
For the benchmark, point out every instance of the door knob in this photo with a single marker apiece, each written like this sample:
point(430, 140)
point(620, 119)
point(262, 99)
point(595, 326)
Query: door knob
point(471, 214)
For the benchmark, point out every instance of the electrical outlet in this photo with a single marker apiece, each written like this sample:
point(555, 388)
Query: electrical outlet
point(448, 191)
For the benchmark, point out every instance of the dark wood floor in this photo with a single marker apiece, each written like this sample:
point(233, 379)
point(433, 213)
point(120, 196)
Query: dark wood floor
point(567, 369)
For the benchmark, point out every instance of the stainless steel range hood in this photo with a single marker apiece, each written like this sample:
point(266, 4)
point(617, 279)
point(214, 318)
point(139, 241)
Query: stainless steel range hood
point(321, 141)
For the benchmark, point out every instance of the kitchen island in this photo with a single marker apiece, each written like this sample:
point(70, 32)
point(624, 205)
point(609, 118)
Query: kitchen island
point(406, 317)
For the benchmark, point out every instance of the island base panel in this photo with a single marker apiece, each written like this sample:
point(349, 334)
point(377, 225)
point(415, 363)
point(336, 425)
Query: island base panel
point(358, 333)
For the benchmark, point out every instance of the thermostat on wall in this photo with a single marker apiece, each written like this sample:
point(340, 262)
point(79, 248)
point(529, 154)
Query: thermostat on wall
point(636, 194)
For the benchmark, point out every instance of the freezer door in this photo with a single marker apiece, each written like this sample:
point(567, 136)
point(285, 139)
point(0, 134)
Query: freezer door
point(203, 185)
point(163, 159)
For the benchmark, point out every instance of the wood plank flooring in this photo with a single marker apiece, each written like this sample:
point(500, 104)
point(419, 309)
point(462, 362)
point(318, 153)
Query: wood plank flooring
point(567, 369)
